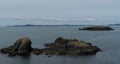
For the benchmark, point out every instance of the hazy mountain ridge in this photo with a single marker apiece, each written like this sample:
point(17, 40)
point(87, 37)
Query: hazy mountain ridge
point(32, 25)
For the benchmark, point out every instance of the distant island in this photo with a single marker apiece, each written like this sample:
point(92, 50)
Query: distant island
point(114, 24)
point(97, 28)
point(31, 25)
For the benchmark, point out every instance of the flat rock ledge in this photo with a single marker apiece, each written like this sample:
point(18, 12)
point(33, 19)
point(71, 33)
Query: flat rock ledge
point(97, 28)
point(61, 46)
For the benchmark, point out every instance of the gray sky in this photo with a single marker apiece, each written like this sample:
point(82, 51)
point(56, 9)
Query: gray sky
point(76, 11)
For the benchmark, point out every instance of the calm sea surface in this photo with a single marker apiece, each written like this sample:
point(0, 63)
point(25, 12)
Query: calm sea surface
point(108, 41)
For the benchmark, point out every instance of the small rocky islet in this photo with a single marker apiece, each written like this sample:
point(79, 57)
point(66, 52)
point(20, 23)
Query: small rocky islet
point(97, 28)
point(61, 46)
point(20, 47)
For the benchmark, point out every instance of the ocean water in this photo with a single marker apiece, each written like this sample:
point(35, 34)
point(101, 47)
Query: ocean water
point(108, 41)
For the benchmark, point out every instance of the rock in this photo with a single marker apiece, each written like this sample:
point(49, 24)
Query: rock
point(4, 50)
point(60, 40)
point(49, 56)
point(61, 46)
point(24, 46)
point(37, 51)
point(21, 47)
point(97, 28)
point(70, 47)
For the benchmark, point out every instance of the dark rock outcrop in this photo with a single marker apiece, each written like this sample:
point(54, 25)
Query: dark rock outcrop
point(61, 46)
point(20, 47)
point(97, 28)
point(37, 51)
point(70, 46)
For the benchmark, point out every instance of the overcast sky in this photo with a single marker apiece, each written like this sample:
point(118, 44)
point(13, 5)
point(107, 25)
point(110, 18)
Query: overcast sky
point(95, 11)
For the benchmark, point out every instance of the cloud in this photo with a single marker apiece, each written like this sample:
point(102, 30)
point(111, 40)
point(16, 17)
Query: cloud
point(53, 19)
point(89, 19)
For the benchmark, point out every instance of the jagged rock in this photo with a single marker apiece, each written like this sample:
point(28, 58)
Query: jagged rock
point(61, 46)
point(70, 46)
point(21, 47)
point(37, 51)
point(97, 28)
point(61, 40)
point(4, 50)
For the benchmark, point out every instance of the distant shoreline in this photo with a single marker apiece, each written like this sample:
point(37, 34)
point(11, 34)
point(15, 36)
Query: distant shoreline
point(32, 25)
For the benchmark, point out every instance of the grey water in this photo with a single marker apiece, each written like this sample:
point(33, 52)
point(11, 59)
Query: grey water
point(108, 41)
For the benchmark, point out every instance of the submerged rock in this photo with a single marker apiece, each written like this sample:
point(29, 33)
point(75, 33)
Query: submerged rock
point(63, 46)
point(20, 47)
point(97, 28)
